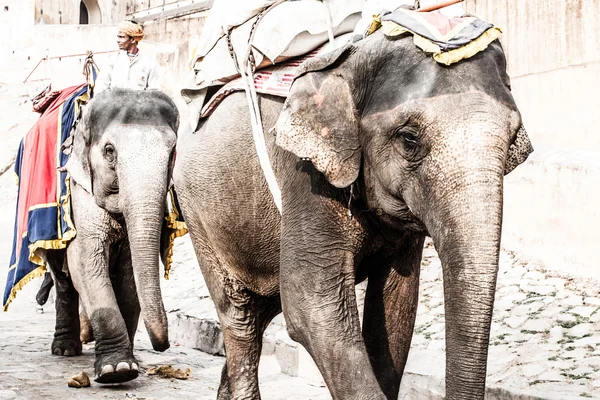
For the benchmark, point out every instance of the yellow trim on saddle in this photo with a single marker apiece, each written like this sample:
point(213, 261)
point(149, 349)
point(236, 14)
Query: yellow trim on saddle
point(36, 273)
point(470, 49)
point(55, 244)
point(178, 229)
point(47, 205)
point(375, 24)
point(392, 29)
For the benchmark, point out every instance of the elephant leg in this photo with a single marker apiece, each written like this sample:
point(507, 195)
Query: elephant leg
point(319, 304)
point(88, 257)
point(124, 286)
point(390, 310)
point(266, 309)
point(321, 314)
point(243, 316)
point(66, 333)
point(319, 241)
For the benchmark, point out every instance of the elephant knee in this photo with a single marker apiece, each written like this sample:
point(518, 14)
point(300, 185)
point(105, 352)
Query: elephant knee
point(295, 328)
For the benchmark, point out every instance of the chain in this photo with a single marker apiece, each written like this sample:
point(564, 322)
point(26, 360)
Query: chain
point(232, 51)
point(249, 57)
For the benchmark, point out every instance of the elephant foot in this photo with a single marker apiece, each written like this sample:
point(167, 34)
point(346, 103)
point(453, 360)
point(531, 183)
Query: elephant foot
point(116, 368)
point(66, 347)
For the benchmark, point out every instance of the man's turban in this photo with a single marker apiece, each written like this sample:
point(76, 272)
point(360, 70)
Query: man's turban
point(132, 29)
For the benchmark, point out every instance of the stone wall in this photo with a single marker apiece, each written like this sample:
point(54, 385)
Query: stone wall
point(31, 30)
point(175, 40)
point(553, 51)
point(67, 11)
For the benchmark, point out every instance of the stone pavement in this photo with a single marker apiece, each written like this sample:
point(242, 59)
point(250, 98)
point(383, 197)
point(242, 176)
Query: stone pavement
point(545, 339)
point(28, 371)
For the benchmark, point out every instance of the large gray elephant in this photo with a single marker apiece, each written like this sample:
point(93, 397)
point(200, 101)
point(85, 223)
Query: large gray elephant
point(120, 167)
point(376, 147)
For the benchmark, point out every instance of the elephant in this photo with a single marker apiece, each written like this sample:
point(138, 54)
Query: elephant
point(375, 148)
point(120, 168)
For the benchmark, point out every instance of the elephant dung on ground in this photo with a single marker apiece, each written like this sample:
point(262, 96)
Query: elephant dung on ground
point(376, 147)
point(120, 169)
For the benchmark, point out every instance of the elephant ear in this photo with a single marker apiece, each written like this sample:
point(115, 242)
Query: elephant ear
point(78, 165)
point(518, 151)
point(318, 121)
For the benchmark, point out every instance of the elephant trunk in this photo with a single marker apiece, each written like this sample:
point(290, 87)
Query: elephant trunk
point(468, 242)
point(143, 193)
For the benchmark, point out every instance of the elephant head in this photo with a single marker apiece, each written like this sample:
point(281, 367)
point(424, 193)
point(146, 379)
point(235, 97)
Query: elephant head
point(427, 147)
point(123, 154)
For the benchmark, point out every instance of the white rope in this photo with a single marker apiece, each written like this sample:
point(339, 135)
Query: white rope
point(329, 22)
point(247, 75)
point(259, 135)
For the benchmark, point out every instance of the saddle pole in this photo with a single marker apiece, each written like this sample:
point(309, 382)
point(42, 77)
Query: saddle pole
point(438, 6)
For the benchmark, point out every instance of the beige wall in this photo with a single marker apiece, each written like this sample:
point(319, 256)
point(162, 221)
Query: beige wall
point(67, 11)
point(25, 40)
point(553, 49)
point(181, 35)
point(140, 5)
point(551, 202)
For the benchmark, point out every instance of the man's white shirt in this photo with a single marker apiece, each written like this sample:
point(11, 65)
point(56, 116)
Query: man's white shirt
point(140, 73)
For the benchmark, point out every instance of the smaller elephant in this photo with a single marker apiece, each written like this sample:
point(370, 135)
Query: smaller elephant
point(120, 169)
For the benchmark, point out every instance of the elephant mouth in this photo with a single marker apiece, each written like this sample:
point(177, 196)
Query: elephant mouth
point(110, 203)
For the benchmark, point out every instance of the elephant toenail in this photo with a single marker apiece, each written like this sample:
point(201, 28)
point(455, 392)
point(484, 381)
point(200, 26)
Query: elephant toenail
point(69, 352)
point(57, 352)
point(107, 369)
point(134, 367)
point(123, 366)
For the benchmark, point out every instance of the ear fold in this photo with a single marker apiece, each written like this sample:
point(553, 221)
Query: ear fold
point(518, 151)
point(78, 165)
point(318, 122)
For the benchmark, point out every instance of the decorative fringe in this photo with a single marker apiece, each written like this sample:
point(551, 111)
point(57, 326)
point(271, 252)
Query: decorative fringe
point(36, 273)
point(468, 50)
point(392, 29)
point(36, 248)
point(178, 229)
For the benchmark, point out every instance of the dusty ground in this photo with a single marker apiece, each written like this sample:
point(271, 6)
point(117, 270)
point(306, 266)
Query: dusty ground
point(28, 370)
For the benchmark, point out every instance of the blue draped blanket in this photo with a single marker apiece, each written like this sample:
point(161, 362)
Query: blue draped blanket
point(42, 218)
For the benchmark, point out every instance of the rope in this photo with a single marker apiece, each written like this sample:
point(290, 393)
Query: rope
point(247, 74)
point(329, 21)
point(89, 65)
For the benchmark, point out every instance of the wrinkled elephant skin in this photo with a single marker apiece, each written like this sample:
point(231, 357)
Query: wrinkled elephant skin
point(120, 166)
point(376, 147)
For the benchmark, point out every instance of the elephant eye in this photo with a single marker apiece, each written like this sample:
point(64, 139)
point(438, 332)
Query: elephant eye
point(409, 139)
point(109, 152)
point(409, 143)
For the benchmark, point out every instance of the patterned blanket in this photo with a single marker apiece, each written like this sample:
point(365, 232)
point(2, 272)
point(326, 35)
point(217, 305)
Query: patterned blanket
point(43, 219)
point(275, 81)
point(449, 39)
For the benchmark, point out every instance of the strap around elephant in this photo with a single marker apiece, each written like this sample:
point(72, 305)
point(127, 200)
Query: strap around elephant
point(247, 75)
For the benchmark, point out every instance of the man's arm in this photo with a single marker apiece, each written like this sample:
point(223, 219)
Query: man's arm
point(154, 78)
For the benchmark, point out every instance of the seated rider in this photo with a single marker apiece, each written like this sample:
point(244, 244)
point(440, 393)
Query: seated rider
point(129, 68)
